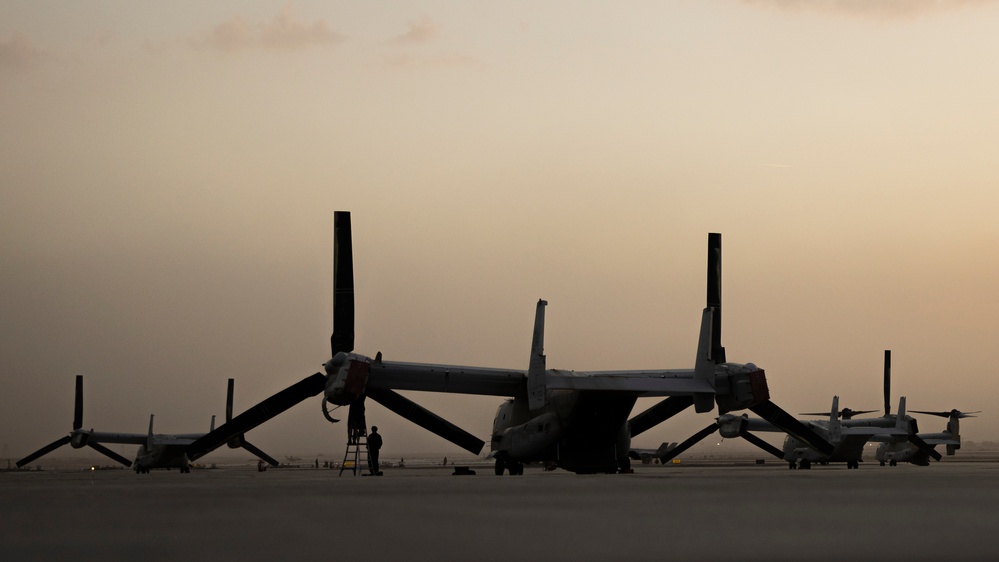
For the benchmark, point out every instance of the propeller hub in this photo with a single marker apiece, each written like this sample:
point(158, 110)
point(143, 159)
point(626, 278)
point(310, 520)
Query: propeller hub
point(346, 377)
point(80, 439)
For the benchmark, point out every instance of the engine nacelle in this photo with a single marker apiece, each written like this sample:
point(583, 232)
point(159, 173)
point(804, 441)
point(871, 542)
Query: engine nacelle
point(730, 426)
point(746, 384)
point(80, 439)
point(346, 377)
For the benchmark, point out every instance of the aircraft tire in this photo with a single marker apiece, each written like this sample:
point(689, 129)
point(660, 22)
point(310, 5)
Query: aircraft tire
point(500, 467)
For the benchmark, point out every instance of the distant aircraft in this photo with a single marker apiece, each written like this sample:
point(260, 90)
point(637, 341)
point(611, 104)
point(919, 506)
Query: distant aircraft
point(847, 437)
point(647, 456)
point(893, 451)
point(898, 434)
point(155, 450)
point(576, 420)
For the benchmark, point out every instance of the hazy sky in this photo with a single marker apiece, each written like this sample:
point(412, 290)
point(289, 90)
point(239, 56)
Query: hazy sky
point(169, 172)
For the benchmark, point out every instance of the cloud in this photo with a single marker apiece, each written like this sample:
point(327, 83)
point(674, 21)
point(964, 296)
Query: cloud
point(871, 9)
point(283, 33)
point(442, 60)
point(18, 53)
point(419, 32)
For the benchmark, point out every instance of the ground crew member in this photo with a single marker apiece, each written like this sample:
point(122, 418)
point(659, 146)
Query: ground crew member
point(374, 444)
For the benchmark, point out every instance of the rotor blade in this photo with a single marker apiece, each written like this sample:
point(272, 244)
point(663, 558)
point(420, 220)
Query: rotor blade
point(44, 450)
point(847, 413)
point(228, 401)
point(109, 453)
point(714, 296)
point(305, 388)
point(659, 413)
point(426, 419)
point(959, 414)
point(690, 442)
point(253, 449)
point(924, 446)
point(887, 382)
point(343, 285)
point(762, 444)
point(775, 415)
point(78, 406)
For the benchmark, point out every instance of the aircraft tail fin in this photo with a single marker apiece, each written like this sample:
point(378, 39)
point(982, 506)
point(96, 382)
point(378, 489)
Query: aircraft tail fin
point(149, 436)
point(211, 428)
point(900, 422)
point(537, 366)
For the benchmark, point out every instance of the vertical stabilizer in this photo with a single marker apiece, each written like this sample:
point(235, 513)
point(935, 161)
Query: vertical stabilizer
point(704, 365)
point(900, 422)
point(537, 366)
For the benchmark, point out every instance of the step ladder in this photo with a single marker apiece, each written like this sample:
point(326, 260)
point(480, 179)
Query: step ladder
point(357, 454)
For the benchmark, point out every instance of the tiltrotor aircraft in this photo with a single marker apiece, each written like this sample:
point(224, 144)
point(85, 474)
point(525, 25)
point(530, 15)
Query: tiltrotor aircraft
point(575, 420)
point(155, 450)
point(898, 434)
point(892, 451)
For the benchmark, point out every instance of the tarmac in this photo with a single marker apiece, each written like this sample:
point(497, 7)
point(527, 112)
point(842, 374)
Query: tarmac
point(725, 512)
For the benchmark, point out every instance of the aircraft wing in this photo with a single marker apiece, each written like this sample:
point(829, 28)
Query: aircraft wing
point(673, 382)
point(107, 437)
point(175, 439)
point(391, 375)
point(875, 433)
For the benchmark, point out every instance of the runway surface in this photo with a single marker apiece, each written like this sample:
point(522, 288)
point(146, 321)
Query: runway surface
point(946, 511)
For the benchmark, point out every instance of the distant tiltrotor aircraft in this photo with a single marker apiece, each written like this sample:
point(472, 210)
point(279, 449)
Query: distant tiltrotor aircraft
point(898, 434)
point(573, 419)
point(156, 450)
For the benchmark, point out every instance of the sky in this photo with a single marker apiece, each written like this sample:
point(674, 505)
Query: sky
point(169, 173)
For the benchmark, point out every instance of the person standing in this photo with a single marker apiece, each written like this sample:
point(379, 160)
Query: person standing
point(374, 444)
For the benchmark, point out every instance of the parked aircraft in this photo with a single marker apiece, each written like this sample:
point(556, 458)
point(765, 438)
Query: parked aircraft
point(893, 451)
point(899, 434)
point(155, 450)
point(847, 437)
point(576, 420)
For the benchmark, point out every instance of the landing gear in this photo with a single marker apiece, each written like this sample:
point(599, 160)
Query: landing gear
point(514, 467)
point(791, 465)
point(882, 463)
point(893, 463)
point(805, 464)
point(852, 465)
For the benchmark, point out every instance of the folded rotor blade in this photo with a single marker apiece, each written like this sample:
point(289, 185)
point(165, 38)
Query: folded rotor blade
point(659, 413)
point(924, 446)
point(762, 444)
point(109, 453)
point(690, 442)
point(260, 454)
point(305, 388)
point(78, 405)
point(426, 419)
point(343, 285)
point(44, 450)
point(775, 415)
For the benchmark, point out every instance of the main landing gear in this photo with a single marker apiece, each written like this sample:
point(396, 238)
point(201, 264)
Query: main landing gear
point(515, 468)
